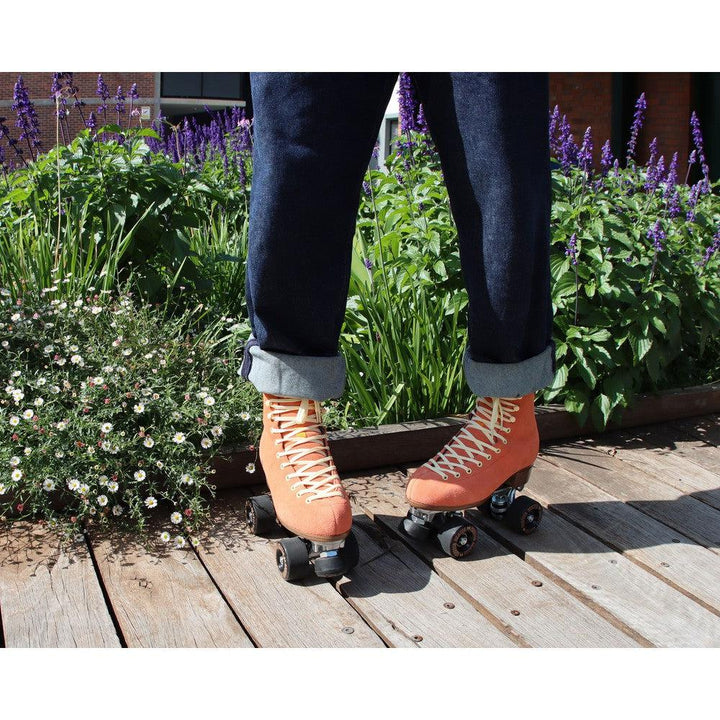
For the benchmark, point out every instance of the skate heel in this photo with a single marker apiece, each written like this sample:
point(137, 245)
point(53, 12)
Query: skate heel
point(519, 479)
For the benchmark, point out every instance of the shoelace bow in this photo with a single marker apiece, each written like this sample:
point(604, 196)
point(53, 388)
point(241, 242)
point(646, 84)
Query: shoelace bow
point(489, 417)
point(320, 483)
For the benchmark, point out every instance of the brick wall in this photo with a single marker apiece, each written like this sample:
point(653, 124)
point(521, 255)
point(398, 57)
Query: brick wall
point(586, 99)
point(38, 86)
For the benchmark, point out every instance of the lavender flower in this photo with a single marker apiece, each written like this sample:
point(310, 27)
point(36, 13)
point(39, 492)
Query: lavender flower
point(553, 128)
point(120, 104)
point(671, 179)
point(638, 119)
point(674, 204)
point(91, 121)
point(568, 148)
point(656, 234)
point(103, 92)
point(571, 250)
point(27, 119)
point(366, 187)
point(407, 103)
point(368, 263)
point(692, 201)
point(653, 174)
point(698, 140)
point(585, 159)
point(606, 158)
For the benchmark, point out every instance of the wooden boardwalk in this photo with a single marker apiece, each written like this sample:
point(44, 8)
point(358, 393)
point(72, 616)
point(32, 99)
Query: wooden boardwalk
point(628, 555)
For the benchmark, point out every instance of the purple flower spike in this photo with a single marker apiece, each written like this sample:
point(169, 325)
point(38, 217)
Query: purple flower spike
point(407, 103)
point(571, 250)
point(711, 249)
point(698, 140)
point(568, 149)
point(656, 234)
point(638, 119)
point(27, 119)
point(606, 159)
point(585, 159)
point(553, 127)
point(671, 179)
point(653, 171)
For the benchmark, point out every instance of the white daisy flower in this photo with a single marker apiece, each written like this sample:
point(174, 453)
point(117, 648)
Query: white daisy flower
point(179, 438)
point(112, 486)
point(148, 442)
point(60, 361)
point(179, 541)
point(206, 443)
point(244, 415)
point(176, 518)
point(150, 502)
point(77, 360)
point(102, 500)
point(28, 414)
point(98, 380)
point(216, 431)
point(16, 475)
point(73, 484)
point(14, 461)
point(14, 420)
point(39, 402)
point(61, 424)
point(186, 479)
point(103, 480)
point(106, 427)
point(194, 541)
point(84, 489)
point(117, 510)
point(160, 464)
point(59, 454)
point(54, 389)
point(209, 400)
point(139, 408)
point(250, 467)
point(74, 348)
point(41, 381)
point(95, 309)
point(27, 450)
point(92, 510)
point(165, 536)
point(139, 475)
point(49, 484)
point(127, 351)
point(3, 488)
point(48, 348)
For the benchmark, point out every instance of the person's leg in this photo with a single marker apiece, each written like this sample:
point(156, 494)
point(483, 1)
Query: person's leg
point(491, 132)
point(313, 137)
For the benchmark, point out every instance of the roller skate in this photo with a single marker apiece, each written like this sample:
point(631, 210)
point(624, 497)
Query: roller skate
point(484, 465)
point(306, 495)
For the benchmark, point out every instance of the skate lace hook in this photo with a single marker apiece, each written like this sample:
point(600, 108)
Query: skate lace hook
point(489, 417)
point(320, 483)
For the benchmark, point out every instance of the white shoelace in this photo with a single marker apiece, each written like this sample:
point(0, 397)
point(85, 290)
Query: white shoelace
point(489, 417)
point(320, 483)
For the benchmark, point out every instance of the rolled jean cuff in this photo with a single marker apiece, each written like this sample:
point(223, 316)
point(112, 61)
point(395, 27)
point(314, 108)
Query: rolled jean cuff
point(314, 377)
point(510, 379)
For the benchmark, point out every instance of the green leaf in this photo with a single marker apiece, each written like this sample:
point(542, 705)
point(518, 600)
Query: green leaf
point(600, 411)
point(640, 346)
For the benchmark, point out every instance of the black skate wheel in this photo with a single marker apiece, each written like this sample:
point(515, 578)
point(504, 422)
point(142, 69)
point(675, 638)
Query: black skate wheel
point(486, 506)
point(524, 515)
point(260, 514)
point(350, 552)
point(457, 538)
point(414, 529)
point(292, 559)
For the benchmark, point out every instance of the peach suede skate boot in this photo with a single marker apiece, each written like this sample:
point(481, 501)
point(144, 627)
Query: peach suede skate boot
point(306, 494)
point(483, 465)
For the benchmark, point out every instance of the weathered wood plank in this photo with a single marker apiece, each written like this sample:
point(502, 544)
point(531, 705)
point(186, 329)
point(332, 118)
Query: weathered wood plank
point(612, 583)
point(705, 428)
point(275, 613)
point(687, 566)
point(406, 603)
point(50, 597)
point(494, 580)
point(163, 597)
point(684, 513)
point(657, 451)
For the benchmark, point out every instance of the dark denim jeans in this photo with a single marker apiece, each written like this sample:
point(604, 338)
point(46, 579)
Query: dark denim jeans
point(314, 134)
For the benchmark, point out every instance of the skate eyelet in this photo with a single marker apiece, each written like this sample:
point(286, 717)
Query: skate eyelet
point(308, 500)
point(504, 441)
point(497, 450)
point(468, 471)
point(457, 474)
